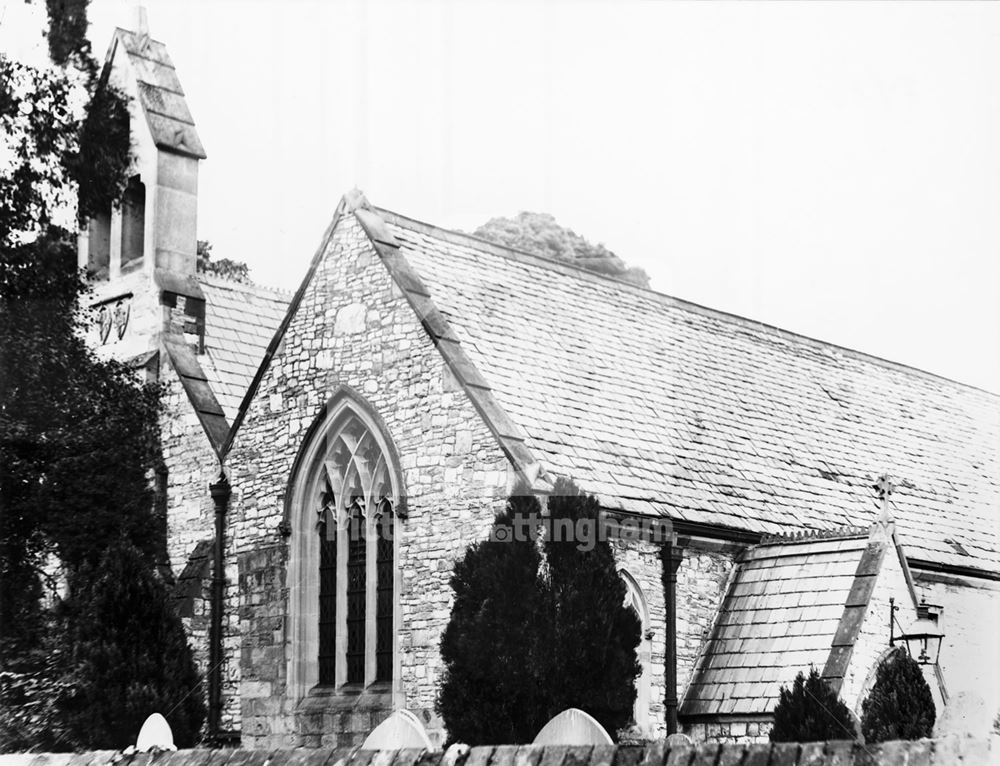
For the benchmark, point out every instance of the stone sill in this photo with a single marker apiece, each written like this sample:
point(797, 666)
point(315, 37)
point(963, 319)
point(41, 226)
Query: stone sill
point(328, 698)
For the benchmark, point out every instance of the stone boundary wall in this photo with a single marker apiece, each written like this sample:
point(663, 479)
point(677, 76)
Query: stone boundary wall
point(949, 751)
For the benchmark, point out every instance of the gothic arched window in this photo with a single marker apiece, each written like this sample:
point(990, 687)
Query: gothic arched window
point(636, 601)
point(342, 571)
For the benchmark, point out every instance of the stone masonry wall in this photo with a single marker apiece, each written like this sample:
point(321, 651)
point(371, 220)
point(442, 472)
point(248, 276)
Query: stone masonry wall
point(191, 466)
point(969, 660)
point(354, 328)
point(950, 751)
point(642, 561)
point(729, 731)
point(702, 579)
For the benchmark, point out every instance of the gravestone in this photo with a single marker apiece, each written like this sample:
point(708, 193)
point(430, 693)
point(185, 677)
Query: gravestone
point(155, 734)
point(400, 731)
point(572, 727)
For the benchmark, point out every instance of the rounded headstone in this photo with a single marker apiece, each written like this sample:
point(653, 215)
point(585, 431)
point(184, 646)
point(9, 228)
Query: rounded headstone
point(155, 734)
point(573, 727)
point(400, 731)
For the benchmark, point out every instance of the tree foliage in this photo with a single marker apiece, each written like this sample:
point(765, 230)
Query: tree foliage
point(900, 705)
point(237, 271)
point(530, 636)
point(593, 663)
point(811, 712)
point(122, 610)
point(490, 691)
point(540, 234)
point(78, 435)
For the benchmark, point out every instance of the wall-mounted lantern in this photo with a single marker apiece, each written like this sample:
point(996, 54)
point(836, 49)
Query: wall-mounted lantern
point(923, 638)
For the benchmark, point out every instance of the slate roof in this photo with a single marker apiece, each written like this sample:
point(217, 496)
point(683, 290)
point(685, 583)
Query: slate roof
point(663, 407)
point(160, 93)
point(240, 320)
point(780, 616)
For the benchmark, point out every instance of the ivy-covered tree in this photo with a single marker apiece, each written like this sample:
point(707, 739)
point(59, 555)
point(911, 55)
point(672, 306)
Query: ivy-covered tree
point(128, 656)
point(491, 692)
point(531, 636)
point(900, 705)
point(811, 712)
point(78, 435)
point(539, 233)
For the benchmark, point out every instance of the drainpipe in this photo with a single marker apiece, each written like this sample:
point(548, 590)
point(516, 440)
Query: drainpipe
point(671, 556)
point(220, 496)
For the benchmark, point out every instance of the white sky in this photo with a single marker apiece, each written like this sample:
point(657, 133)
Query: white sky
point(833, 169)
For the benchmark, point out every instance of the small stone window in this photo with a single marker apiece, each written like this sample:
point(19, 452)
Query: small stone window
point(343, 559)
point(133, 221)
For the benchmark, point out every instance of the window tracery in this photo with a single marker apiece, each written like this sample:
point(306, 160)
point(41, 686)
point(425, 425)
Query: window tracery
point(344, 608)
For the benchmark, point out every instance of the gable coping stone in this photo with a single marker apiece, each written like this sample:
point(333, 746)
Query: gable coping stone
point(508, 434)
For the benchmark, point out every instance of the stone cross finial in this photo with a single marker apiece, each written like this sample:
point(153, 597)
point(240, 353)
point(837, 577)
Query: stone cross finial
point(884, 487)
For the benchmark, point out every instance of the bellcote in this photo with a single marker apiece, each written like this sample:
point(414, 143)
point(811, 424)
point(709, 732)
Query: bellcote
point(155, 227)
point(142, 254)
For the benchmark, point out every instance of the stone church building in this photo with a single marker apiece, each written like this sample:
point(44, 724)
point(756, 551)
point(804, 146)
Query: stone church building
point(329, 454)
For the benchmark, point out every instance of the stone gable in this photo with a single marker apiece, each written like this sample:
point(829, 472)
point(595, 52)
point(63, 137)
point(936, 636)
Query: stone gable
point(354, 329)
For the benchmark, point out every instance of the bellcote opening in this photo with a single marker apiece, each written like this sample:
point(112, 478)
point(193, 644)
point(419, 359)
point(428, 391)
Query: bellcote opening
point(99, 245)
point(133, 222)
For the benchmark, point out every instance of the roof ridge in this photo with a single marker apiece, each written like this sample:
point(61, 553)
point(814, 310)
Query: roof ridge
point(670, 300)
point(808, 536)
point(222, 281)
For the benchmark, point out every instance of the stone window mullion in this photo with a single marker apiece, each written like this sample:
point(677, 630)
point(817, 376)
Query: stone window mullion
point(341, 608)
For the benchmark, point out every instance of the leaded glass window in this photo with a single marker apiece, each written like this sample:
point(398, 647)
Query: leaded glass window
point(354, 501)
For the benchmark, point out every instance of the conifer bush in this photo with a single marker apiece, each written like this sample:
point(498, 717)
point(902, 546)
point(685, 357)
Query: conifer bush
point(900, 705)
point(127, 656)
point(593, 663)
point(490, 693)
point(811, 712)
point(530, 636)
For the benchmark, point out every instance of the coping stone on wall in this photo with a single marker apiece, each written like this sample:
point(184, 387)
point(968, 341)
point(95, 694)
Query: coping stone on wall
point(948, 751)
